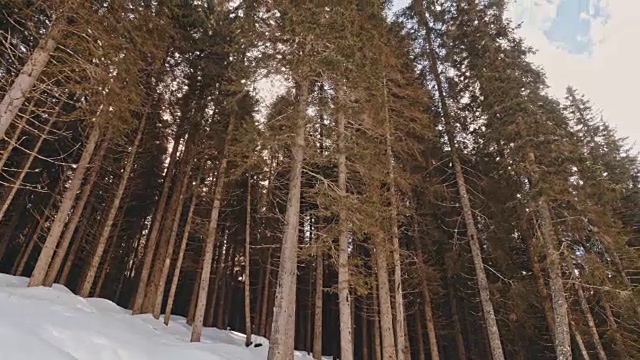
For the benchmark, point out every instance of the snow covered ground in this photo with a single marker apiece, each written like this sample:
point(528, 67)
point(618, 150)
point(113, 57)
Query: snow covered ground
point(55, 324)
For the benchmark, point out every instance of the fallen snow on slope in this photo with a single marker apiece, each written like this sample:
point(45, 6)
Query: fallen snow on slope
point(54, 324)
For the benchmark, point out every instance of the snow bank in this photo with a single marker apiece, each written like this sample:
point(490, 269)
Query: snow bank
point(54, 324)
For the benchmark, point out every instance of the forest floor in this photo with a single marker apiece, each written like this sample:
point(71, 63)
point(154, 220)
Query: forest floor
point(54, 324)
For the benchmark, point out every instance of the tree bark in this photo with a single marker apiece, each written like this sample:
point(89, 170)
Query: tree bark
point(431, 331)
point(183, 246)
point(198, 321)
point(281, 344)
point(152, 239)
point(34, 236)
point(590, 323)
point(419, 337)
point(157, 306)
point(23, 172)
point(50, 244)
point(472, 234)
point(578, 338)
point(377, 344)
point(16, 134)
point(265, 297)
point(344, 298)
point(386, 314)
point(106, 266)
point(54, 267)
point(74, 250)
point(319, 294)
point(23, 84)
point(113, 210)
point(247, 263)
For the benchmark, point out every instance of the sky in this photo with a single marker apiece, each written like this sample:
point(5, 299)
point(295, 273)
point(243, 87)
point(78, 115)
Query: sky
point(592, 45)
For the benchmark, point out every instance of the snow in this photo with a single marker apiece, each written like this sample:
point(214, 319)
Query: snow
point(54, 324)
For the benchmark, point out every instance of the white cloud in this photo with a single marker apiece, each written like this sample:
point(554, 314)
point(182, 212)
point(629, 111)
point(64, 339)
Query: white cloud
point(609, 75)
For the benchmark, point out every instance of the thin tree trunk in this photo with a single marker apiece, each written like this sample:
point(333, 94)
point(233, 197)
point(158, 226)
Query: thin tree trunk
point(578, 338)
point(196, 330)
point(559, 302)
point(50, 244)
point(317, 319)
point(23, 172)
point(419, 337)
point(282, 328)
point(344, 298)
point(16, 134)
point(152, 239)
point(591, 324)
point(365, 331)
point(157, 307)
point(386, 314)
point(472, 234)
point(619, 344)
point(15, 218)
point(247, 262)
point(107, 261)
point(212, 297)
point(455, 316)
point(377, 344)
point(194, 298)
point(397, 269)
point(183, 246)
point(54, 267)
point(34, 236)
point(64, 276)
point(23, 84)
point(113, 210)
point(265, 297)
point(426, 295)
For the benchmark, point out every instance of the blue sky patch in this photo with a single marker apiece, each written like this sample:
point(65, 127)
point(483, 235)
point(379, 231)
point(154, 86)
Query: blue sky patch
point(571, 25)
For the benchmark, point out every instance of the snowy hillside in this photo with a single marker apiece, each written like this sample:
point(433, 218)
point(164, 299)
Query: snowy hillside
point(55, 324)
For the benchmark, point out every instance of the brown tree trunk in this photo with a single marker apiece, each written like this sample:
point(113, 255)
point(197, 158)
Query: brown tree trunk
point(455, 316)
point(247, 263)
point(611, 321)
point(559, 302)
point(25, 168)
point(15, 218)
point(419, 336)
point(344, 298)
point(64, 276)
point(157, 306)
point(50, 244)
point(183, 246)
point(317, 318)
point(265, 297)
point(426, 295)
point(401, 341)
point(377, 343)
point(384, 296)
point(113, 210)
point(152, 239)
point(212, 297)
point(198, 321)
point(16, 134)
point(34, 236)
point(22, 85)
point(578, 338)
point(590, 323)
point(54, 267)
point(106, 266)
point(194, 298)
point(282, 328)
point(365, 331)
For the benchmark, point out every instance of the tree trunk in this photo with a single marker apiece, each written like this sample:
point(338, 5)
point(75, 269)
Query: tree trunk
point(113, 210)
point(559, 302)
point(419, 337)
point(152, 239)
point(74, 250)
point(34, 237)
point(15, 218)
point(183, 246)
point(619, 344)
point(365, 331)
point(23, 172)
point(319, 294)
point(455, 316)
point(106, 266)
point(157, 306)
point(377, 344)
point(22, 85)
point(472, 233)
point(16, 134)
point(386, 314)
point(578, 338)
point(196, 330)
point(50, 244)
point(282, 328)
point(344, 298)
point(397, 269)
point(194, 298)
point(590, 323)
point(265, 297)
point(426, 297)
point(247, 263)
point(54, 267)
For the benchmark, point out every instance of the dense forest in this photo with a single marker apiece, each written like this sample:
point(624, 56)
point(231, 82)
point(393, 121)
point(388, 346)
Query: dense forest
point(339, 179)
